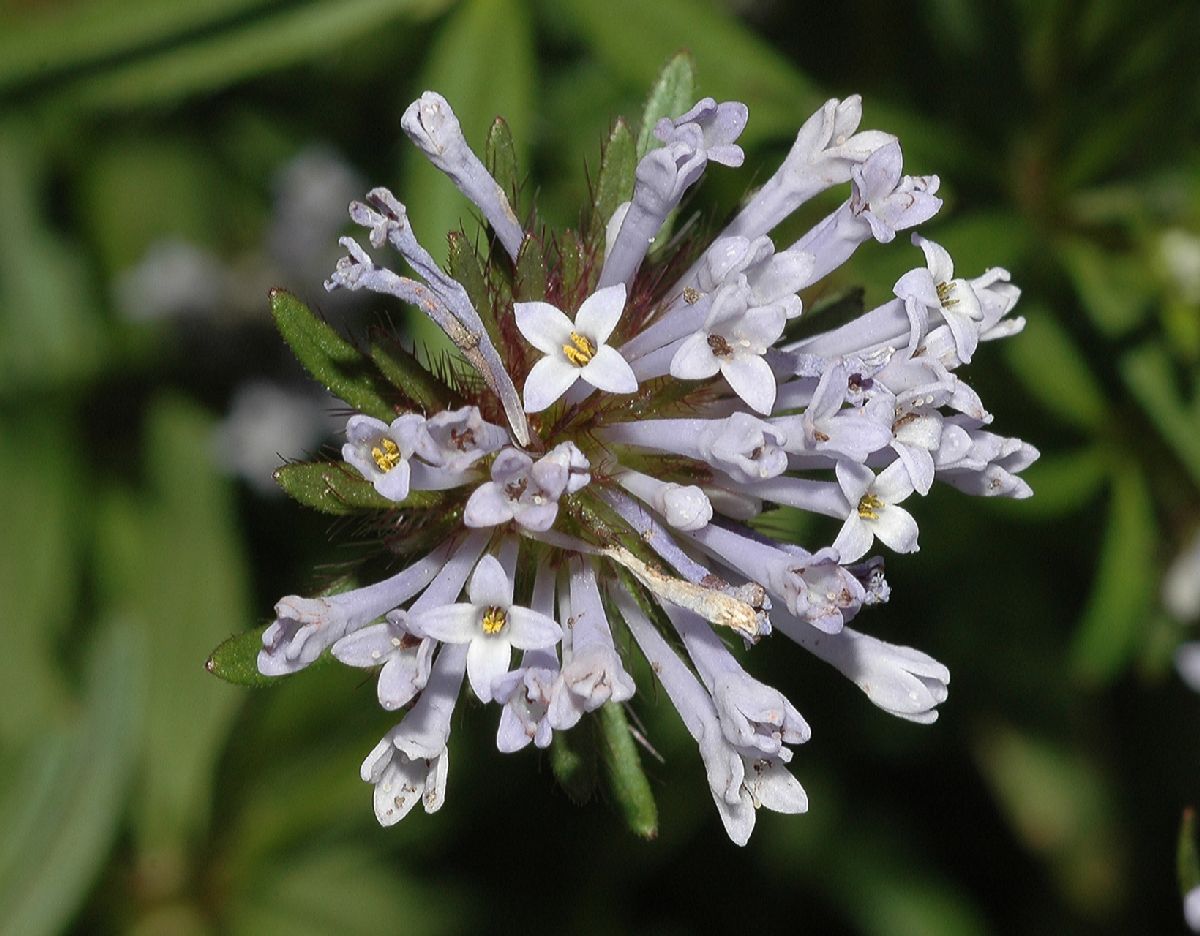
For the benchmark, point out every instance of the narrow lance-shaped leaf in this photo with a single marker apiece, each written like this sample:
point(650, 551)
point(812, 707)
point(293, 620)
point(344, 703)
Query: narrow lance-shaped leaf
point(334, 488)
point(326, 355)
point(623, 771)
point(573, 762)
point(614, 184)
point(671, 96)
point(1147, 372)
point(465, 267)
point(403, 371)
point(1123, 594)
point(531, 272)
point(236, 660)
point(500, 157)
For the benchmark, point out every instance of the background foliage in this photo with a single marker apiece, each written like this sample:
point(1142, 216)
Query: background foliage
point(139, 794)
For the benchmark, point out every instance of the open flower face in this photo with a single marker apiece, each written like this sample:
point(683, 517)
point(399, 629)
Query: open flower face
point(660, 410)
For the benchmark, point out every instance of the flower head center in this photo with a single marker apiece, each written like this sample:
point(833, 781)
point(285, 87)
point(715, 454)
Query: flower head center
point(494, 620)
point(943, 294)
point(386, 455)
point(580, 351)
point(869, 507)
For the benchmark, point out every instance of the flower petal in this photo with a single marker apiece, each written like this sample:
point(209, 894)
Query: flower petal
point(394, 484)
point(694, 360)
point(854, 538)
point(544, 326)
point(751, 379)
point(528, 630)
point(549, 379)
point(490, 585)
point(487, 660)
point(452, 624)
point(366, 647)
point(600, 312)
point(487, 506)
point(896, 529)
point(608, 371)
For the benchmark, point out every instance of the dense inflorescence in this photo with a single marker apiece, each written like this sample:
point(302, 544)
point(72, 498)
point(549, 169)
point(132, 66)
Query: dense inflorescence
point(666, 401)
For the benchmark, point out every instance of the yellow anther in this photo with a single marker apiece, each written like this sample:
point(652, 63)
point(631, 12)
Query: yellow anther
point(580, 351)
point(869, 507)
point(691, 295)
point(943, 293)
point(494, 620)
point(386, 454)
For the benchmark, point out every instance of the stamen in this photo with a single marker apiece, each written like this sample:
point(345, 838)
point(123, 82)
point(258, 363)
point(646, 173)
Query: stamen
point(386, 454)
point(691, 295)
point(494, 620)
point(869, 507)
point(943, 292)
point(580, 351)
point(720, 347)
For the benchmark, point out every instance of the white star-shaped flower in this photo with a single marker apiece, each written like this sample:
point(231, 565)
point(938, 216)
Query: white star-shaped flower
point(574, 349)
point(874, 511)
point(490, 624)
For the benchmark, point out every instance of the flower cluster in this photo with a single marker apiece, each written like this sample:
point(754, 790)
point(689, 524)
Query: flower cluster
point(667, 399)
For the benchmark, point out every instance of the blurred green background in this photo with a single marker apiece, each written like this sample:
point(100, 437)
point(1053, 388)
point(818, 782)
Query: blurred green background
point(162, 164)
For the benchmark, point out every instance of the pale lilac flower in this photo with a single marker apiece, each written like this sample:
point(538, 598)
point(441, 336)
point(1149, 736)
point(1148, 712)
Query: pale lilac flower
point(574, 350)
point(935, 289)
point(404, 658)
point(709, 128)
point(490, 624)
point(521, 489)
point(874, 510)
point(381, 452)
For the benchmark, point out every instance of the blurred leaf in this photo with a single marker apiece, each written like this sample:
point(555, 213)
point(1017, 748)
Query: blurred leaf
point(623, 768)
point(401, 368)
point(634, 37)
point(1122, 596)
point(1116, 288)
point(1054, 371)
point(286, 35)
point(170, 559)
point(336, 488)
point(1061, 807)
point(45, 519)
point(482, 62)
point(348, 890)
point(235, 660)
point(49, 330)
point(325, 354)
point(673, 93)
point(1064, 482)
point(1147, 371)
point(47, 38)
point(62, 812)
point(1187, 860)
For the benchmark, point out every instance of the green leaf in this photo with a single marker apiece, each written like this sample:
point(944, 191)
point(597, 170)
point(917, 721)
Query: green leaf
point(401, 368)
point(331, 359)
point(1064, 482)
point(46, 514)
point(1187, 860)
point(236, 660)
point(170, 558)
point(285, 35)
point(633, 37)
point(1147, 371)
point(1054, 371)
point(347, 889)
point(573, 762)
point(569, 261)
point(623, 770)
point(336, 488)
point(1116, 289)
point(673, 93)
point(500, 157)
point(50, 332)
point(63, 809)
point(1122, 598)
point(51, 38)
point(530, 281)
point(1060, 806)
point(614, 184)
